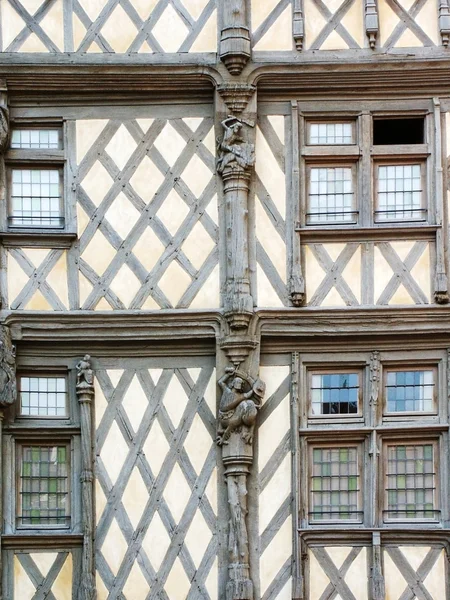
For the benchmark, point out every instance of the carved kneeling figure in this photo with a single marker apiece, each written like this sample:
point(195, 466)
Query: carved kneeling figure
point(238, 409)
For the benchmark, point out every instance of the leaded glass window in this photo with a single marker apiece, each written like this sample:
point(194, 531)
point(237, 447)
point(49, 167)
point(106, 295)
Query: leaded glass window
point(335, 484)
point(36, 198)
point(330, 133)
point(44, 485)
point(400, 193)
point(410, 391)
point(43, 396)
point(410, 482)
point(334, 393)
point(35, 139)
point(331, 195)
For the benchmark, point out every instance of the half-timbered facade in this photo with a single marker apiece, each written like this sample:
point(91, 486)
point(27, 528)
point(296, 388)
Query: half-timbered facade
point(225, 329)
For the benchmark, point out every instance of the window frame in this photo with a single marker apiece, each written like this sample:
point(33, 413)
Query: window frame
point(38, 374)
point(326, 121)
point(341, 417)
point(424, 438)
point(18, 451)
point(401, 415)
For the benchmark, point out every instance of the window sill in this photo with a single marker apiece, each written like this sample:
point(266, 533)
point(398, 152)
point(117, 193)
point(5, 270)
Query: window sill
point(51, 238)
point(56, 539)
point(376, 232)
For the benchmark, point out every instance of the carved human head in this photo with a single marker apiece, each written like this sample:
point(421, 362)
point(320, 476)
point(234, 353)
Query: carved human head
point(237, 383)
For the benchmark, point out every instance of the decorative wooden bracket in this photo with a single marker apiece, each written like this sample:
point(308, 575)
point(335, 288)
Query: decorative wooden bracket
point(444, 22)
point(234, 49)
point(371, 22)
point(298, 25)
point(236, 95)
point(85, 394)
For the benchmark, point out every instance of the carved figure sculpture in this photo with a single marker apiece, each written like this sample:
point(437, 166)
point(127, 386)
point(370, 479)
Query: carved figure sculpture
point(238, 409)
point(234, 151)
point(8, 387)
point(85, 375)
point(4, 129)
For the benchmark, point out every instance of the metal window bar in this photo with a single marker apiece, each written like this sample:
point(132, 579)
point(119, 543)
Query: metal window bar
point(43, 396)
point(410, 391)
point(334, 393)
point(330, 196)
point(400, 193)
point(44, 485)
point(410, 482)
point(335, 484)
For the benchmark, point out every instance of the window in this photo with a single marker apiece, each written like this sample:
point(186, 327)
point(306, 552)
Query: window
point(367, 170)
point(44, 485)
point(410, 482)
point(410, 391)
point(335, 484)
point(43, 396)
point(334, 393)
point(35, 167)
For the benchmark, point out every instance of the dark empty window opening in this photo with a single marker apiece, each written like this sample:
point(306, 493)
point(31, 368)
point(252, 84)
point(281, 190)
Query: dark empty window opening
point(398, 131)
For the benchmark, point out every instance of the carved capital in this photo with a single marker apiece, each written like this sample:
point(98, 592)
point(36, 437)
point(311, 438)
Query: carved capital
point(236, 95)
point(85, 380)
point(237, 348)
point(8, 385)
point(235, 153)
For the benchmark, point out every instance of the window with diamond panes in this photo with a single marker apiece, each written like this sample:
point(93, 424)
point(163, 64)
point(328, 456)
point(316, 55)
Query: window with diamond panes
point(410, 391)
point(44, 486)
point(410, 482)
point(330, 195)
point(399, 193)
point(335, 484)
point(330, 133)
point(36, 198)
point(334, 393)
point(43, 396)
point(35, 139)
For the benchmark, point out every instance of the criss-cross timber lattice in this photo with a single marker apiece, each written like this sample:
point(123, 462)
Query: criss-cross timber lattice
point(415, 579)
point(37, 279)
point(333, 23)
point(333, 277)
point(337, 586)
point(115, 509)
point(42, 583)
point(402, 272)
point(267, 204)
point(407, 20)
point(103, 27)
point(148, 216)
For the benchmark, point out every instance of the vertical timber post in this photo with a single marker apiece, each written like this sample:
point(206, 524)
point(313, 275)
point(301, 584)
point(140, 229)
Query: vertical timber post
point(235, 49)
point(85, 395)
point(8, 395)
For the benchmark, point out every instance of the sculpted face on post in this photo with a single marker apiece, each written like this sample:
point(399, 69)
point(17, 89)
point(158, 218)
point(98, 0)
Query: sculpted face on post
point(237, 383)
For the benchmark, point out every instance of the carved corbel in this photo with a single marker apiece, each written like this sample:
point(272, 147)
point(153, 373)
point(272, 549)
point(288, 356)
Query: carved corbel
point(235, 164)
point(85, 395)
point(8, 395)
point(234, 49)
point(241, 399)
point(236, 95)
point(298, 25)
point(371, 22)
point(444, 22)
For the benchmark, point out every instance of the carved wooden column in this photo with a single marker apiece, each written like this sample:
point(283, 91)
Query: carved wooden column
point(234, 49)
point(85, 394)
point(235, 164)
point(8, 395)
point(444, 22)
point(298, 25)
point(241, 399)
point(371, 22)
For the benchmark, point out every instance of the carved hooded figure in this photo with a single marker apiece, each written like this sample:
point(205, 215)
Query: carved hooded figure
point(8, 387)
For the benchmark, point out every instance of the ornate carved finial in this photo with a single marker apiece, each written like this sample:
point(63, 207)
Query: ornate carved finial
point(444, 22)
point(371, 22)
point(85, 377)
point(234, 153)
point(8, 386)
point(236, 95)
point(239, 404)
point(234, 49)
point(298, 26)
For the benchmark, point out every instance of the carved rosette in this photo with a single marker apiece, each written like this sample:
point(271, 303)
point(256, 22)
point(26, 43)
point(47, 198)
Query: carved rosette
point(85, 395)
point(240, 402)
